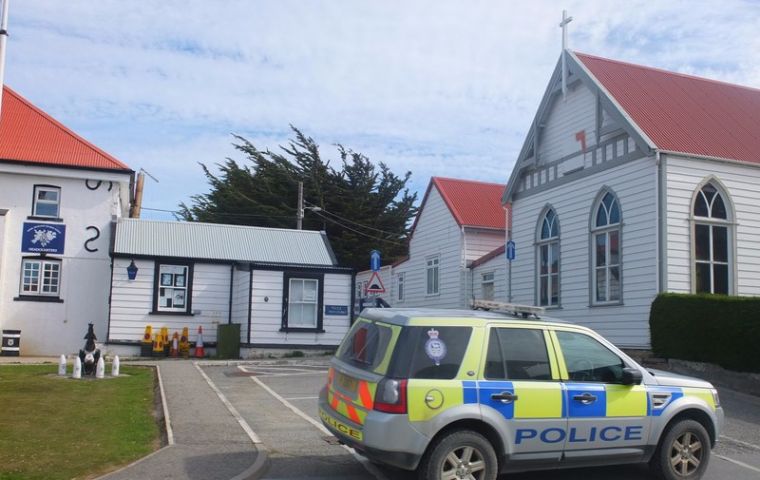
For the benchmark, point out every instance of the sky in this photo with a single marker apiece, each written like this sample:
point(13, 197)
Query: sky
point(444, 88)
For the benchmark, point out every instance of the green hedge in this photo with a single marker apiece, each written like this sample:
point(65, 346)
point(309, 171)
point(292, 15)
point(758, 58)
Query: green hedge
point(707, 328)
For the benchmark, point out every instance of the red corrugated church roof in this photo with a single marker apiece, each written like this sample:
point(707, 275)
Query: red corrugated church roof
point(472, 203)
point(29, 135)
point(683, 113)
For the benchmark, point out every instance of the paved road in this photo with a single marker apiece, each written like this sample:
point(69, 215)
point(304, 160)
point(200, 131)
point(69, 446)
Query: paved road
point(280, 404)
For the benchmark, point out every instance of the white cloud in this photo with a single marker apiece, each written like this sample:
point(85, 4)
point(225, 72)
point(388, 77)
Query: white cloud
point(436, 87)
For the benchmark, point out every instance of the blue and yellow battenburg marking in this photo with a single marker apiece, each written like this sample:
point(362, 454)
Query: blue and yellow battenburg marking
point(549, 400)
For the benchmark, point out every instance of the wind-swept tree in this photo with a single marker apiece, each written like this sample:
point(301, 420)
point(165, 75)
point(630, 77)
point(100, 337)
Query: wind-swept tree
point(361, 206)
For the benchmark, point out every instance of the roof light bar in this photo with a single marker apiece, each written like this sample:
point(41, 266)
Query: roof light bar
point(524, 311)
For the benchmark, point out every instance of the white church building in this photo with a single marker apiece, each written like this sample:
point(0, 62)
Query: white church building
point(633, 181)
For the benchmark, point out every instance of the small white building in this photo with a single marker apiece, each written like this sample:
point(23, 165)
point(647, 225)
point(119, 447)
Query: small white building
point(58, 197)
point(636, 181)
point(458, 222)
point(282, 286)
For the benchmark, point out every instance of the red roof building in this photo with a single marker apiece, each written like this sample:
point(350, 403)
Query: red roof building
point(682, 113)
point(458, 222)
point(632, 181)
point(29, 135)
point(473, 203)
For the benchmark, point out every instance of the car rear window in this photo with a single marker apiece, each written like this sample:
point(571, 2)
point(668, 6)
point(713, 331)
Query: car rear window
point(430, 352)
point(367, 346)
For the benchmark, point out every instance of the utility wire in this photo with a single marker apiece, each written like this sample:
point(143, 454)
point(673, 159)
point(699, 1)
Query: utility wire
point(350, 221)
point(357, 231)
point(221, 214)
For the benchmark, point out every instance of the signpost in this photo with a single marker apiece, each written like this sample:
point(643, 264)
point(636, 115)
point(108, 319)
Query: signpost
point(374, 261)
point(375, 284)
point(511, 252)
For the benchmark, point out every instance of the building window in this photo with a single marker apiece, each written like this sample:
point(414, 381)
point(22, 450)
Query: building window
point(47, 200)
point(487, 286)
point(548, 259)
point(302, 302)
point(173, 288)
point(606, 262)
point(40, 277)
point(400, 287)
point(433, 275)
point(712, 239)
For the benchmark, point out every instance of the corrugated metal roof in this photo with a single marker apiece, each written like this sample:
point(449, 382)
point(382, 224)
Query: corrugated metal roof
point(683, 113)
point(27, 134)
point(473, 203)
point(213, 241)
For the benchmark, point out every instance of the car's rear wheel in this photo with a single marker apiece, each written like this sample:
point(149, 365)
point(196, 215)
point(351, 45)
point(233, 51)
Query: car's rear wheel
point(683, 453)
point(459, 455)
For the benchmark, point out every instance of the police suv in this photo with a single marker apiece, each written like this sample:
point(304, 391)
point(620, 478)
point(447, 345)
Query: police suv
point(469, 395)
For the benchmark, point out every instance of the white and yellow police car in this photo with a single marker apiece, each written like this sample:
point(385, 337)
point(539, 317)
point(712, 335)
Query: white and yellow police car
point(469, 395)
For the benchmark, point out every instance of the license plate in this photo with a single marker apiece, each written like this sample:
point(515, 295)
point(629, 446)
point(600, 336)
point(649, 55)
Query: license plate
point(347, 383)
point(340, 426)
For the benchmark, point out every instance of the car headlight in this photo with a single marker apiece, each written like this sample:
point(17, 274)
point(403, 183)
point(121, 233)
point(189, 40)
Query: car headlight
point(716, 399)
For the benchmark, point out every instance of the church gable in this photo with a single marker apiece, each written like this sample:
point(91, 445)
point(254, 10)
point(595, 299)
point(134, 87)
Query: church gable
point(573, 135)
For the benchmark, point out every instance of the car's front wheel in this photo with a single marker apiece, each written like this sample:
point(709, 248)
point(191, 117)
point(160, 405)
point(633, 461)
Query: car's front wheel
point(683, 453)
point(459, 455)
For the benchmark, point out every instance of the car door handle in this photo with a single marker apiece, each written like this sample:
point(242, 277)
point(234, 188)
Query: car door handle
point(504, 397)
point(585, 399)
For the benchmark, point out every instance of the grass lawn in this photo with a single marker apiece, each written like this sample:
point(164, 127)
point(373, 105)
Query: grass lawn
point(59, 428)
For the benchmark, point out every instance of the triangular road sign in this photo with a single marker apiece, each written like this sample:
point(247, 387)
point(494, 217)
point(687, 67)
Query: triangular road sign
point(375, 285)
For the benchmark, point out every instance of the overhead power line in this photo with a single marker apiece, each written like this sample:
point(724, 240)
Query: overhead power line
point(351, 221)
point(357, 231)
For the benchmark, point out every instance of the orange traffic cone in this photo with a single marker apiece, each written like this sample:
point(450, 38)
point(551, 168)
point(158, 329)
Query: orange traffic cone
point(199, 352)
point(174, 352)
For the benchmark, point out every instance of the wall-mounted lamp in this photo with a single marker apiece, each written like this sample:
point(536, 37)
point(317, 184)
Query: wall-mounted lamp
point(132, 270)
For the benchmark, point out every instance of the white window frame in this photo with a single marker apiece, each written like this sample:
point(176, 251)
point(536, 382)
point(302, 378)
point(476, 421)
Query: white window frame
point(433, 275)
point(546, 243)
point(713, 222)
point(400, 287)
point(606, 231)
point(488, 278)
point(38, 201)
point(170, 278)
point(38, 284)
point(303, 302)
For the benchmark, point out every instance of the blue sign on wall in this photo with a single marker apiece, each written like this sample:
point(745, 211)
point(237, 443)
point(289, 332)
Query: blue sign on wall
point(43, 238)
point(374, 260)
point(510, 250)
point(341, 310)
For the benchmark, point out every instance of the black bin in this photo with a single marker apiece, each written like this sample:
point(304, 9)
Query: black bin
point(11, 343)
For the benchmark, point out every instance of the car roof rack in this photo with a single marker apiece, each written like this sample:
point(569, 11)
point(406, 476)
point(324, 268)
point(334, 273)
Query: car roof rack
point(524, 311)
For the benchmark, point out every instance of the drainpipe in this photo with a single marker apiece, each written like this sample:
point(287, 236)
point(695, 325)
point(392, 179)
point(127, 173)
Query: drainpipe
point(658, 187)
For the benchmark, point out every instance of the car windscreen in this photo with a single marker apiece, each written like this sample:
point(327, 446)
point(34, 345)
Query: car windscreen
point(368, 345)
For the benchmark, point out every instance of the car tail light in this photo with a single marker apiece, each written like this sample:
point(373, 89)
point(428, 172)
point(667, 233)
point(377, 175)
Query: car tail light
point(391, 396)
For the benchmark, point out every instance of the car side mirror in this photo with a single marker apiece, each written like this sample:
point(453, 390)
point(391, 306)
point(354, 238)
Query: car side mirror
point(632, 376)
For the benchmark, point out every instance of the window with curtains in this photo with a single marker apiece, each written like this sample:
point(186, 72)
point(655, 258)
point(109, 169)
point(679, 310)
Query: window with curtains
point(712, 239)
point(547, 254)
point(606, 285)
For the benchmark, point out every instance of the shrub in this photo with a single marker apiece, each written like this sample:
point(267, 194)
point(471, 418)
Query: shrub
point(716, 329)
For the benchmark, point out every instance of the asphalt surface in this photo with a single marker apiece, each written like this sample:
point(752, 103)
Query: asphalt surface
point(206, 441)
point(279, 401)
